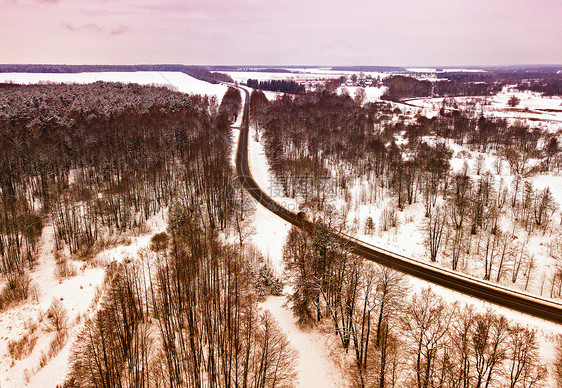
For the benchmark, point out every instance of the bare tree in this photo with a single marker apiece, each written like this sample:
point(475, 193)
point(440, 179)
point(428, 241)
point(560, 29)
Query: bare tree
point(57, 315)
point(427, 320)
point(544, 207)
point(525, 369)
point(489, 345)
point(513, 101)
point(558, 361)
point(462, 361)
point(434, 227)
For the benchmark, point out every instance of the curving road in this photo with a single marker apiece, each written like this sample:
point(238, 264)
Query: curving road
point(515, 300)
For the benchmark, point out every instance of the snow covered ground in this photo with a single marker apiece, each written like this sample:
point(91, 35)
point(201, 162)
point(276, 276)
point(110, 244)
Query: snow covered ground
point(299, 74)
point(179, 81)
point(75, 294)
point(316, 367)
point(372, 93)
point(534, 109)
point(79, 293)
point(271, 231)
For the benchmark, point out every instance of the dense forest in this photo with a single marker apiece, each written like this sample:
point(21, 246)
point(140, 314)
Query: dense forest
point(94, 161)
point(184, 314)
point(549, 86)
point(401, 87)
point(101, 158)
point(282, 85)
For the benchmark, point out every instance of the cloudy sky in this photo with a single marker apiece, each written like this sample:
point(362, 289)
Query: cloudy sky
point(282, 32)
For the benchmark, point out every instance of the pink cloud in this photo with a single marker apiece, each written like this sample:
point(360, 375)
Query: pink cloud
point(92, 27)
point(121, 29)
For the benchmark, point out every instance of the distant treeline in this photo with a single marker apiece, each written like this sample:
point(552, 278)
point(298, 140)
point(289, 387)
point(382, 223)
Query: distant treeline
point(463, 76)
point(268, 70)
point(368, 68)
point(551, 86)
point(400, 87)
point(198, 72)
point(285, 86)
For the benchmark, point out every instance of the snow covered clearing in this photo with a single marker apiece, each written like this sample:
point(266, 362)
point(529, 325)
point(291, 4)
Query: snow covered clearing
point(178, 81)
point(315, 363)
point(554, 182)
point(533, 108)
point(372, 93)
point(299, 75)
point(75, 293)
point(243, 76)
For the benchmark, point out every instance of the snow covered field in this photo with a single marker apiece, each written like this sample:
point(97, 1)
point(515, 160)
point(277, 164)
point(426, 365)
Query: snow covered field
point(178, 81)
point(533, 109)
point(372, 93)
point(299, 74)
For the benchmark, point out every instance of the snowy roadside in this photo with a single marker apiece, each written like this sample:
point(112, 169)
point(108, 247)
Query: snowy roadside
point(316, 367)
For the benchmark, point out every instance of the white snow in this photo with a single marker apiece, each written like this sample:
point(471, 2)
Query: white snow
point(177, 80)
point(315, 364)
point(243, 76)
point(300, 74)
point(533, 109)
point(372, 93)
point(554, 182)
point(546, 331)
point(271, 231)
point(76, 294)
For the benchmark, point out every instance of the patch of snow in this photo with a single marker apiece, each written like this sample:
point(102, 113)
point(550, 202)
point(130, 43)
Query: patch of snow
point(177, 80)
point(315, 366)
point(271, 231)
point(76, 293)
point(554, 182)
point(372, 93)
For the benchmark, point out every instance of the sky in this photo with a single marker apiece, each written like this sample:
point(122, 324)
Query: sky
point(282, 32)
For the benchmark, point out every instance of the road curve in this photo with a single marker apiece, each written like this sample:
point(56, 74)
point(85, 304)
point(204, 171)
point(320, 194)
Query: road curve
point(499, 295)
